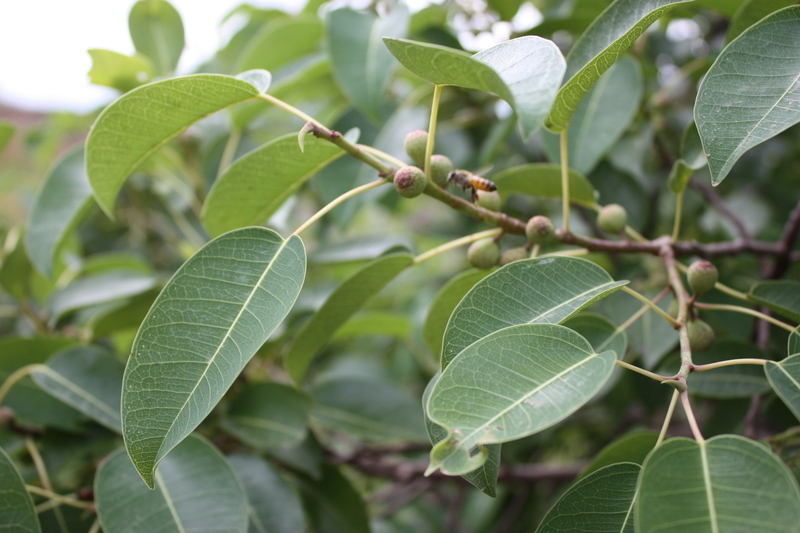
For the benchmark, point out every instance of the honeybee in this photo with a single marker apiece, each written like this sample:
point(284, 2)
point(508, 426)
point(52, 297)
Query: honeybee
point(467, 180)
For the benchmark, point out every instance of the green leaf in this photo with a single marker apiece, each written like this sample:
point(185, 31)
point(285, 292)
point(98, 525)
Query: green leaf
point(601, 118)
point(88, 378)
point(782, 296)
point(377, 323)
point(572, 284)
point(751, 12)
point(601, 333)
point(794, 342)
point(785, 380)
point(269, 415)
point(157, 113)
point(679, 176)
point(112, 69)
point(372, 410)
point(157, 33)
point(608, 37)
point(692, 152)
point(545, 373)
point(196, 491)
point(543, 180)
point(361, 65)
point(750, 93)
point(600, 502)
point(257, 184)
point(333, 504)
point(443, 304)
point(280, 42)
point(63, 200)
point(98, 289)
point(342, 304)
point(525, 72)
point(17, 514)
point(203, 328)
point(6, 133)
point(273, 505)
point(727, 483)
point(633, 448)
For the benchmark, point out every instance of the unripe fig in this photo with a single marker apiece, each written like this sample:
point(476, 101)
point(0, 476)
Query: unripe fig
point(702, 277)
point(488, 199)
point(415, 143)
point(612, 218)
point(513, 254)
point(701, 336)
point(440, 168)
point(409, 181)
point(484, 253)
point(540, 230)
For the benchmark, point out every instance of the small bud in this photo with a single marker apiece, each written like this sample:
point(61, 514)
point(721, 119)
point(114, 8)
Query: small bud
point(540, 230)
point(488, 199)
point(701, 336)
point(415, 143)
point(513, 254)
point(484, 253)
point(612, 218)
point(409, 181)
point(440, 168)
point(702, 277)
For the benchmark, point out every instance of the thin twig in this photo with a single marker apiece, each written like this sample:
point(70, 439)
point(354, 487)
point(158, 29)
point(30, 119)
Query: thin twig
point(745, 311)
point(668, 417)
point(687, 407)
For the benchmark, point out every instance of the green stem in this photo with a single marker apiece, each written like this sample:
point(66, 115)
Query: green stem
point(382, 155)
point(668, 257)
point(746, 311)
point(16, 376)
point(642, 371)
point(574, 252)
point(456, 243)
point(535, 251)
point(719, 286)
point(642, 310)
point(565, 177)
point(729, 362)
point(346, 196)
point(230, 151)
point(653, 306)
point(291, 109)
point(676, 228)
point(687, 408)
point(437, 93)
point(635, 235)
point(668, 418)
point(66, 500)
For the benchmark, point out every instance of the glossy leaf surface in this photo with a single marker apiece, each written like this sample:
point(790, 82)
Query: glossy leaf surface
point(443, 304)
point(782, 296)
point(785, 380)
point(543, 180)
point(157, 33)
point(17, 514)
point(203, 328)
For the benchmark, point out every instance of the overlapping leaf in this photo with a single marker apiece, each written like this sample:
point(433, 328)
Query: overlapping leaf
point(206, 324)
point(280, 42)
point(781, 296)
point(112, 69)
point(632, 448)
point(785, 380)
point(17, 514)
point(543, 180)
point(751, 11)
point(157, 33)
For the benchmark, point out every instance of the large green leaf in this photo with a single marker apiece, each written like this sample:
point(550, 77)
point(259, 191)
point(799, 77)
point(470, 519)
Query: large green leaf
point(273, 505)
point(603, 335)
point(751, 11)
point(17, 514)
point(750, 94)
point(333, 504)
point(511, 384)
point(88, 378)
point(525, 72)
point(112, 69)
point(781, 296)
point(601, 118)
point(725, 484)
point(632, 448)
point(785, 380)
point(63, 200)
point(196, 491)
point(376, 323)
point(517, 294)
point(206, 324)
point(601, 502)
point(280, 42)
point(361, 65)
point(269, 415)
point(342, 304)
point(543, 180)
point(140, 122)
point(99, 289)
point(608, 37)
point(257, 184)
point(157, 33)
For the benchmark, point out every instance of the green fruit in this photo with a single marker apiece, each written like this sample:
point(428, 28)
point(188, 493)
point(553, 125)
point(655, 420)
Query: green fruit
point(415, 144)
point(702, 277)
point(484, 253)
point(612, 218)
point(440, 168)
point(513, 254)
point(540, 230)
point(701, 336)
point(488, 199)
point(409, 181)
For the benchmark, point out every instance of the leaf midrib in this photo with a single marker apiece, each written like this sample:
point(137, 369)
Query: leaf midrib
point(170, 503)
point(712, 509)
point(78, 391)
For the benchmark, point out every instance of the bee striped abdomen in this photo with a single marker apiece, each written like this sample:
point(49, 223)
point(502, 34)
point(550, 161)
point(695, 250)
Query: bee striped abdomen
point(467, 180)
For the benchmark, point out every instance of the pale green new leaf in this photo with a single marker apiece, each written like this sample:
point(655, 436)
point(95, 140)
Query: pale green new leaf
point(751, 93)
point(511, 384)
point(143, 120)
point(99, 289)
point(544, 291)
point(601, 502)
point(725, 484)
point(781, 296)
point(157, 33)
point(525, 72)
point(280, 42)
point(17, 514)
point(632, 448)
point(785, 380)
point(88, 378)
point(203, 328)
point(543, 180)
point(608, 37)
point(268, 415)
point(62, 202)
point(196, 491)
point(751, 12)
point(112, 69)
point(342, 304)
point(257, 184)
